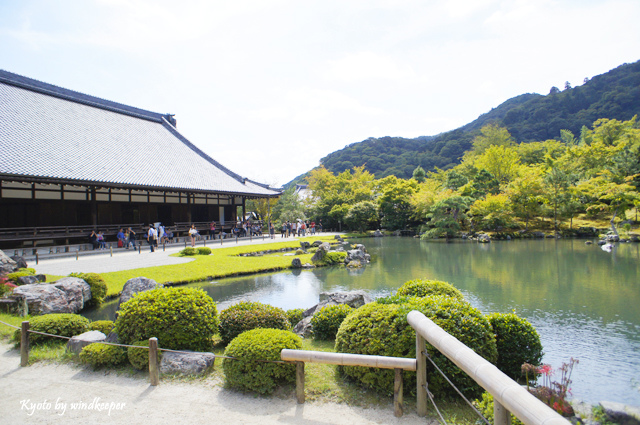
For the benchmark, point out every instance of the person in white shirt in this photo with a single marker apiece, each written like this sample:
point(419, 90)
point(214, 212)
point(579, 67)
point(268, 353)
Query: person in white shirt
point(192, 233)
point(152, 237)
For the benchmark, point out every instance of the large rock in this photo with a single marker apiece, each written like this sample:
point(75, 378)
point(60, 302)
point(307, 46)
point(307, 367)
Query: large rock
point(135, 285)
point(191, 363)
point(353, 299)
point(20, 261)
point(296, 263)
point(305, 245)
point(67, 295)
point(378, 234)
point(30, 280)
point(321, 252)
point(618, 413)
point(7, 265)
point(78, 342)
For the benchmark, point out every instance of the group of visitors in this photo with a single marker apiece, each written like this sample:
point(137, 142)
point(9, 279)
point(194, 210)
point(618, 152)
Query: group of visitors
point(299, 228)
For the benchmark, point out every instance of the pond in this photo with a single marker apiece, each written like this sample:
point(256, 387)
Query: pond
point(584, 302)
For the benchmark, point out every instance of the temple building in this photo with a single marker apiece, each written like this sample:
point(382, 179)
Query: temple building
point(70, 159)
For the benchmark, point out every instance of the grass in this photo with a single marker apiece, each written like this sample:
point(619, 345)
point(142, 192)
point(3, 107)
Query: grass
point(223, 262)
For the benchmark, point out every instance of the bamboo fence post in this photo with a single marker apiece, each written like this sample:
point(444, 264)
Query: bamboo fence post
point(24, 344)
point(501, 416)
point(397, 393)
point(300, 382)
point(154, 371)
point(421, 375)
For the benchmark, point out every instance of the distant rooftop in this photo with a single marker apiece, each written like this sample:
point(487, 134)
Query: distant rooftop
point(58, 134)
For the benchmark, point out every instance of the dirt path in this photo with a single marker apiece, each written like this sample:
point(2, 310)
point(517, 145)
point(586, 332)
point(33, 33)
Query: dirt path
point(68, 393)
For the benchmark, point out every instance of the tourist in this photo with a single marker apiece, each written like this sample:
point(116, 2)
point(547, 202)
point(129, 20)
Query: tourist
point(272, 231)
point(131, 238)
point(212, 230)
point(320, 226)
point(192, 234)
point(93, 239)
point(313, 227)
point(151, 237)
point(101, 242)
point(120, 236)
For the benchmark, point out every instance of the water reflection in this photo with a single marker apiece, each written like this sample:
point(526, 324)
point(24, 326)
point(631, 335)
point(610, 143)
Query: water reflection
point(583, 301)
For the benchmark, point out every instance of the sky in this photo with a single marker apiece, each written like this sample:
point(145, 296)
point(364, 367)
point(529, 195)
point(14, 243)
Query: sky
point(269, 87)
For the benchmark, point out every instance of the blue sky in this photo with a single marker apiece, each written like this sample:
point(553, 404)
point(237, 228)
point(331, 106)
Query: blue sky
point(269, 87)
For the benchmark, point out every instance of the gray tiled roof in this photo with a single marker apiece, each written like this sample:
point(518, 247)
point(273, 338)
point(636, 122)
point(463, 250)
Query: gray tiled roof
point(47, 131)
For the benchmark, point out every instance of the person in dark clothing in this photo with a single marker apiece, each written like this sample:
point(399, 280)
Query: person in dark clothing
point(93, 239)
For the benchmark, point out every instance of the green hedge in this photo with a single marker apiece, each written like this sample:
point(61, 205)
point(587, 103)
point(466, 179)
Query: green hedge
point(62, 324)
point(139, 357)
point(381, 328)
point(248, 315)
point(102, 355)
point(327, 321)
point(181, 318)
point(518, 342)
point(425, 288)
point(188, 252)
point(485, 406)
point(204, 250)
point(332, 258)
point(247, 373)
point(294, 315)
point(98, 287)
point(13, 277)
point(104, 326)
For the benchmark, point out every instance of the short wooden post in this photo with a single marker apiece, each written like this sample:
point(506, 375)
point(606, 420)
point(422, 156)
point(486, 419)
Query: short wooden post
point(501, 416)
point(111, 249)
point(421, 375)
point(397, 393)
point(24, 344)
point(154, 370)
point(164, 246)
point(77, 253)
point(140, 248)
point(300, 382)
point(36, 257)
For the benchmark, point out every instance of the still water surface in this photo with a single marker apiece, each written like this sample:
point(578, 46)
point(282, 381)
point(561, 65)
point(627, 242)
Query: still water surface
point(584, 302)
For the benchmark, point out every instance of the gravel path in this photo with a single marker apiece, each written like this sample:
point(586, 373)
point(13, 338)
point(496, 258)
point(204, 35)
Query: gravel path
point(72, 394)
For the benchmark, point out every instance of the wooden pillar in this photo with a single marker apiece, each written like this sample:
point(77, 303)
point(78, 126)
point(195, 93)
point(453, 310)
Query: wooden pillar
point(24, 344)
point(397, 393)
point(421, 376)
point(154, 370)
point(300, 382)
point(94, 208)
point(501, 416)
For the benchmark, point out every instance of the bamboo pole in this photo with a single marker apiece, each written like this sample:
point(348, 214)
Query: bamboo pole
point(501, 416)
point(154, 371)
point(24, 344)
point(397, 394)
point(344, 359)
point(421, 376)
point(300, 382)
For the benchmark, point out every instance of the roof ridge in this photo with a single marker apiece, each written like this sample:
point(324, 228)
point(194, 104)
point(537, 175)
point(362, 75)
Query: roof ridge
point(75, 96)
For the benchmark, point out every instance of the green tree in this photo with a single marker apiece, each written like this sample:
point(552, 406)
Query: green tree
point(526, 195)
point(395, 201)
point(447, 216)
point(557, 181)
point(419, 174)
point(362, 216)
point(492, 212)
point(491, 135)
point(289, 207)
point(503, 162)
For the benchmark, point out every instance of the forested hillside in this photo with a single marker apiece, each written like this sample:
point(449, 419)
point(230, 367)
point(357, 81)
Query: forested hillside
point(528, 118)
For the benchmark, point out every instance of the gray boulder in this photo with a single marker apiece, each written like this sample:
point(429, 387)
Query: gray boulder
point(78, 342)
point(7, 265)
point(305, 245)
point(296, 263)
point(316, 243)
point(321, 252)
point(191, 363)
point(378, 234)
point(135, 285)
point(356, 255)
point(353, 299)
point(484, 238)
point(67, 295)
point(619, 413)
point(20, 261)
point(30, 280)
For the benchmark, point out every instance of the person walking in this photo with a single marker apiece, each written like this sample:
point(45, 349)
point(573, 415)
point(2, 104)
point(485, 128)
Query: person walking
point(272, 231)
point(151, 235)
point(192, 233)
point(131, 238)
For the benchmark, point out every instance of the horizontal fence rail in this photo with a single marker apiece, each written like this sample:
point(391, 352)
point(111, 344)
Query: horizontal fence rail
point(508, 395)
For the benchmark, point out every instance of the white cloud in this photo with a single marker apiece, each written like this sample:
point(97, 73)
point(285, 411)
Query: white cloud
point(368, 66)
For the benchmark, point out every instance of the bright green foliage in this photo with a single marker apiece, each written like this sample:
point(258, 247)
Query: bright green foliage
point(419, 174)
point(492, 212)
point(485, 406)
point(104, 326)
point(526, 195)
point(491, 135)
point(247, 373)
point(327, 321)
point(447, 216)
point(294, 315)
point(427, 288)
point(98, 287)
point(395, 201)
point(102, 355)
point(518, 342)
point(204, 250)
point(381, 328)
point(139, 357)
point(181, 318)
point(332, 258)
point(247, 315)
point(13, 277)
point(289, 207)
point(62, 324)
point(362, 216)
point(189, 251)
point(501, 161)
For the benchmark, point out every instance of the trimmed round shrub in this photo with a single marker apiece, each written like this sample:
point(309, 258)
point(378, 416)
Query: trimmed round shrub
point(181, 318)
point(381, 328)
point(204, 250)
point(62, 324)
point(104, 326)
point(331, 258)
point(294, 316)
point(247, 373)
point(189, 251)
point(518, 342)
point(102, 355)
point(98, 287)
point(427, 288)
point(299, 251)
point(247, 315)
point(139, 357)
point(327, 321)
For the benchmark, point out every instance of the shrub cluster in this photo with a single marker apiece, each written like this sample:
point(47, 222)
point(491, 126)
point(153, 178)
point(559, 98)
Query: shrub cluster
point(62, 324)
point(181, 318)
point(102, 355)
point(327, 321)
point(332, 258)
point(13, 277)
point(6, 286)
point(204, 250)
point(139, 357)
point(518, 342)
point(426, 288)
point(381, 328)
point(247, 315)
point(294, 316)
point(97, 284)
point(485, 406)
point(104, 326)
point(189, 251)
point(259, 344)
